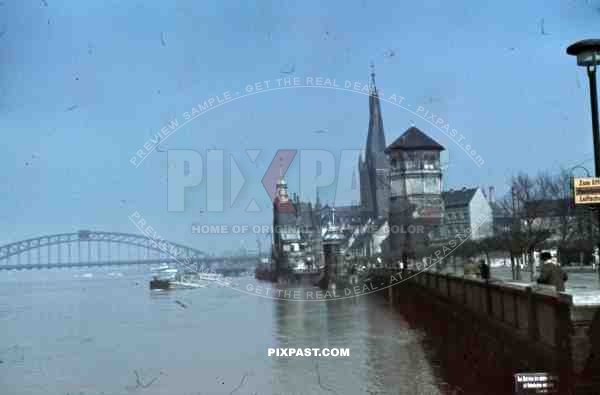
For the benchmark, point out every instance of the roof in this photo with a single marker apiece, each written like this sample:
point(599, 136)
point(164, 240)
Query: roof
point(414, 139)
point(458, 198)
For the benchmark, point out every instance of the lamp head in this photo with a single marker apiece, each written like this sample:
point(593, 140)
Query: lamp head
point(586, 51)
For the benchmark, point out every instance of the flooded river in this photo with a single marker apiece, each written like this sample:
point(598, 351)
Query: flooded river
point(102, 331)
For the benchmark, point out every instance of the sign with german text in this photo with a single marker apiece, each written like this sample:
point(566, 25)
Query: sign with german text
point(586, 190)
point(535, 383)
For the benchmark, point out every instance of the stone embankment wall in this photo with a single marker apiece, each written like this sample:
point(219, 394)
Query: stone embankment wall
point(484, 333)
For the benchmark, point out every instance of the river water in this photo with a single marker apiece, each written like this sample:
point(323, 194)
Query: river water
point(102, 331)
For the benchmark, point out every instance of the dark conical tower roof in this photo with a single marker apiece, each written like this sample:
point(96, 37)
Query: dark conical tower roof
point(414, 139)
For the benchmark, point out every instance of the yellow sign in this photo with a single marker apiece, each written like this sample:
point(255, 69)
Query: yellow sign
point(586, 190)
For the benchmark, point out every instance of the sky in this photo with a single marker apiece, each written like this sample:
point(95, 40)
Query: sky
point(83, 85)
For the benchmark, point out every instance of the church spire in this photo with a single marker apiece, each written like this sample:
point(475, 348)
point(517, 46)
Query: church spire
point(374, 154)
point(280, 168)
point(318, 202)
point(372, 87)
point(376, 136)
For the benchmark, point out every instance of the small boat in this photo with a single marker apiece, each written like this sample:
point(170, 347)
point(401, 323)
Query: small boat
point(162, 267)
point(208, 277)
point(167, 274)
point(171, 278)
point(186, 285)
point(157, 283)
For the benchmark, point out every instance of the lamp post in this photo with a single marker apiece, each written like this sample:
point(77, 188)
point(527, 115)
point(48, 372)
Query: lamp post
point(588, 55)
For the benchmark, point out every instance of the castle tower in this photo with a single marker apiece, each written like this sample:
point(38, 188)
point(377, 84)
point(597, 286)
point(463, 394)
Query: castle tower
point(416, 187)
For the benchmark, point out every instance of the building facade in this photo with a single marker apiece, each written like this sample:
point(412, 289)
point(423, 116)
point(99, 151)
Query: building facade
point(400, 188)
point(296, 237)
point(467, 211)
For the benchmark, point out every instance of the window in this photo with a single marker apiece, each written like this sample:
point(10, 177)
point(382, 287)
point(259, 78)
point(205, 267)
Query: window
point(416, 186)
point(431, 185)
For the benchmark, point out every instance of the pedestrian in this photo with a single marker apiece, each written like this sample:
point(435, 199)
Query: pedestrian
point(551, 273)
point(402, 267)
point(484, 270)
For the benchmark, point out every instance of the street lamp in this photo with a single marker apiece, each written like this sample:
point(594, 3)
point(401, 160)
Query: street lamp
point(588, 55)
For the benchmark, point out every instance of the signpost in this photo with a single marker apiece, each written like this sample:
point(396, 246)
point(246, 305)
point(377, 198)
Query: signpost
point(535, 383)
point(586, 190)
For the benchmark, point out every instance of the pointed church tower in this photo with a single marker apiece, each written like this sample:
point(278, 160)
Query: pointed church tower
point(373, 170)
point(318, 202)
point(375, 137)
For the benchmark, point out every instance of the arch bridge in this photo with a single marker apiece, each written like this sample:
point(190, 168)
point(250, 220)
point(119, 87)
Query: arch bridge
point(87, 248)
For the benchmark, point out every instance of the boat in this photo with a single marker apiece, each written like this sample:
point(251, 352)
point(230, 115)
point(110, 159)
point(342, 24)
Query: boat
point(166, 274)
point(162, 267)
point(157, 283)
point(186, 285)
point(171, 278)
point(163, 276)
point(208, 276)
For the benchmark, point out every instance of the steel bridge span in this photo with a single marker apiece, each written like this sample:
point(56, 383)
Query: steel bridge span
point(93, 249)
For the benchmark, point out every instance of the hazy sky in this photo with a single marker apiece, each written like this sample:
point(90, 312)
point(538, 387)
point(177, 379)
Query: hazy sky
point(131, 67)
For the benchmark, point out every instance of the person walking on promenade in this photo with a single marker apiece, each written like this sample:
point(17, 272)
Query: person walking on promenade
point(551, 273)
point(484, 270)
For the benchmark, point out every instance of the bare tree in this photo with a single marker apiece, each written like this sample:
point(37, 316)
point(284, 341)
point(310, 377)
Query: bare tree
point(525, 206)
point(571, 225)
point(508, 233)
point(531, 195)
